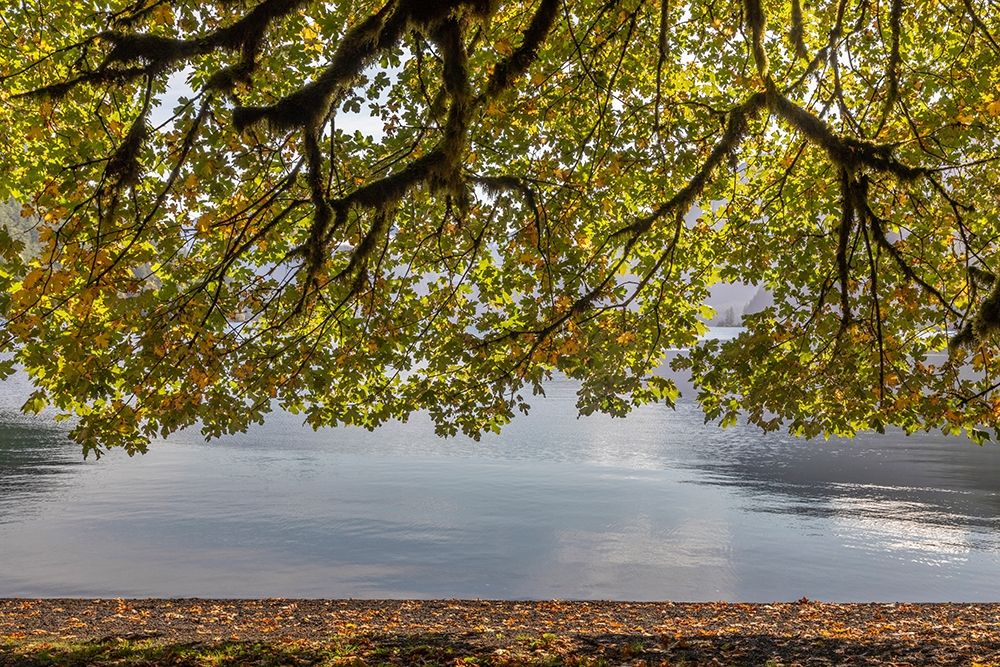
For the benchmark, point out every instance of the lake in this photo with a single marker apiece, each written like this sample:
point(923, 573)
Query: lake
point(655, 506)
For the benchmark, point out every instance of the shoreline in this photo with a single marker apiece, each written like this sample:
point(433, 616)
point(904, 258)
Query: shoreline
point(503, 632)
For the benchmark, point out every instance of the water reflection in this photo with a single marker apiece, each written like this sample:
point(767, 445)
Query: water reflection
point(925, 494)
point(34, 461)
point(656, 506)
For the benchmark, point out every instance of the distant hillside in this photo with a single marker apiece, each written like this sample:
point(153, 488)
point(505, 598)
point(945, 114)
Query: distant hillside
point(20, 228)
point(729, 300)
point(761, 300)
point(732, 301)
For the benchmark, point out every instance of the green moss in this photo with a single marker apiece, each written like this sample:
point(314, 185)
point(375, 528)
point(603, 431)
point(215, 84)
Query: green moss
point(339, 651)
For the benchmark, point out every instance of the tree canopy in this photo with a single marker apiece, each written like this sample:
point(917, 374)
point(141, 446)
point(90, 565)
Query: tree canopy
point(550, 186)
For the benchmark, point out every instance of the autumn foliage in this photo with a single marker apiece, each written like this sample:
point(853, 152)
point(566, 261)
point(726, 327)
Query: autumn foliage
point(544, 187)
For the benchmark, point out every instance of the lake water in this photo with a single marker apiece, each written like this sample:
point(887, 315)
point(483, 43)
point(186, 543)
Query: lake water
point(656, 506)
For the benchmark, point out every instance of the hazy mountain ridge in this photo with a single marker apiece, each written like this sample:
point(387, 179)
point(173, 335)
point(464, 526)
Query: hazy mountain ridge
point(732, 301)
point(19, 227)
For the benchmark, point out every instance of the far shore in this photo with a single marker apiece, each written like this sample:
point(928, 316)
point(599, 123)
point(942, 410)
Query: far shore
point(493, 632)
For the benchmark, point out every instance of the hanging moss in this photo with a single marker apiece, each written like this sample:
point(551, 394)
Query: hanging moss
point(797, 32)
point(123, 167)
point(514, 66)
point(848, 152)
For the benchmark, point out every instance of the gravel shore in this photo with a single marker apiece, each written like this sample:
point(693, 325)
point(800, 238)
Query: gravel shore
point(509, 632)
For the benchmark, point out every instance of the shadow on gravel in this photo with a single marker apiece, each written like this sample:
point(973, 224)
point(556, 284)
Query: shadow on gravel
point(475, 648)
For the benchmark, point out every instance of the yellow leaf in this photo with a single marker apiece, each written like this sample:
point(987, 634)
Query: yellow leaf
point(570, 346)
point(164, 14)
point(993, 108)
point(204, 223)
point(32, 278)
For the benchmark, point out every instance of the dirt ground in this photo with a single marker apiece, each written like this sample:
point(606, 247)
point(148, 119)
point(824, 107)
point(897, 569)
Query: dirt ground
point(405, 632)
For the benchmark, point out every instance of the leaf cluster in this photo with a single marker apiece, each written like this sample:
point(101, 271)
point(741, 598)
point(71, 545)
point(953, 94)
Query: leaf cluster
point(540, 188)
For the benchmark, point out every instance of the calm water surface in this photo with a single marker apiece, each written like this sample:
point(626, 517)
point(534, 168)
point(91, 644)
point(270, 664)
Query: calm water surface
point(657, 506)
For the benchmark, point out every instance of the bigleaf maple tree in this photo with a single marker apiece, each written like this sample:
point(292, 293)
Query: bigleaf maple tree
point(550, 186)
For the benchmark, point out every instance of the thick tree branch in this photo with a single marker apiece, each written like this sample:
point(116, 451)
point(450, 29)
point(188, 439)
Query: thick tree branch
point(797, 31)
point(736, 128)
point(844, 151)
point(156, 53)
point(516, 64)
point(310, 104)
point(895, 61)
